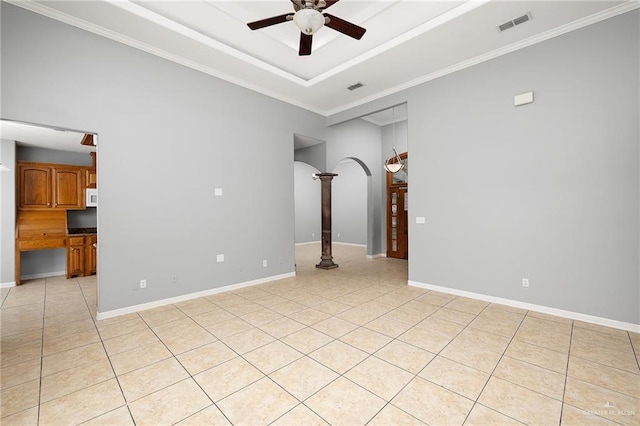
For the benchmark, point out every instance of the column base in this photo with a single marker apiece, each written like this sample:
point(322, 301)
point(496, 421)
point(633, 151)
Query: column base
point(327, 264)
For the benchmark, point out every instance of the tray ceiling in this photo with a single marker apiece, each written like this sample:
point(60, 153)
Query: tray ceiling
point(407, 42)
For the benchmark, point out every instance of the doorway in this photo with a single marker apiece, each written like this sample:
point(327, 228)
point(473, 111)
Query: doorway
point(397, 210)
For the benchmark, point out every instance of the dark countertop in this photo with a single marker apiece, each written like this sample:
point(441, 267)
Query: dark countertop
point(78, 231)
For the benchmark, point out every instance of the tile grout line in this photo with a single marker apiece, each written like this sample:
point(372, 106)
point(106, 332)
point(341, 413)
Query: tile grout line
point(44, 307)
point(566, 374)
point(494, 370)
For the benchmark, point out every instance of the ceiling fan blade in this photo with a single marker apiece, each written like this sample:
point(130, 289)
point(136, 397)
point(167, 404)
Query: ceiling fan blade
point(305, 44)
point(330, 3)
point(268, 21)
point(345, 27)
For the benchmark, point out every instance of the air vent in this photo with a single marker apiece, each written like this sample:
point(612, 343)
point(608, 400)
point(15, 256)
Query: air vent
point(355, 86)
point(517, 21)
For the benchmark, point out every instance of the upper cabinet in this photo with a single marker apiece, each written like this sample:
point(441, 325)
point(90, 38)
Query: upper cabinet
point(90, 176)
point(50, 186)
point(35, 185)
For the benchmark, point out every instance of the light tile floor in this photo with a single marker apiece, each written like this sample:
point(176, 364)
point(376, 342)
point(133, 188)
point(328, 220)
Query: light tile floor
point(351, 346)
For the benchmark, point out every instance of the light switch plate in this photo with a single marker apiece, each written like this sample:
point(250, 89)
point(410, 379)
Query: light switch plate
point(523, 99)
point(218, 192)
point(420, 220)
point(220, 258)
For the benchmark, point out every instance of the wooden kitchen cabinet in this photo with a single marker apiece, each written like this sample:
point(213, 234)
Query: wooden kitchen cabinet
point(50, 186)
point(68, 188)
point(90, 178)
point(91, 254)
point(82, 258)
point(75, 256)
point(35, 185)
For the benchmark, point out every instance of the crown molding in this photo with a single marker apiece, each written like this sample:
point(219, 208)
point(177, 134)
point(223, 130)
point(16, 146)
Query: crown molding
point(581, 23)
point(41, 9)
point(181, 29)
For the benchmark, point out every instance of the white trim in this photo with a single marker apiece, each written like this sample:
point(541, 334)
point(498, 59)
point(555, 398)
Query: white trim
point(627, 326)
point(8, 284)
point(308, 242)
point(576, 25)
point(133, 8)
point(184, 297)
point(43, 275)
point(374, 256)
point(128, 41)
point(350, 244)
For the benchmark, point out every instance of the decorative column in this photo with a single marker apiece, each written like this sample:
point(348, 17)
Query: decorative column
point(327, 259)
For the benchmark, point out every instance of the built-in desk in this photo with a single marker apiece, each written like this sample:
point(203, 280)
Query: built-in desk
point(39, 230)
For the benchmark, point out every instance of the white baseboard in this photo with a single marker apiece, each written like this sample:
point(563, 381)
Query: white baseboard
point(374, 256)
point(627, 326)
point(8, 284)
point(308, 242)
point(43, 275)
point(182, 298)
point(349, 244)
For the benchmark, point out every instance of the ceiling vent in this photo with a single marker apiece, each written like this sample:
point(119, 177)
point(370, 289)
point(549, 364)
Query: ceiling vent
point(517, 21)
point(355, 86)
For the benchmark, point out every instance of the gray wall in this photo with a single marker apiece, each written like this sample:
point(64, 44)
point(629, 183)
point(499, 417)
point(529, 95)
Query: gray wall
point(361, 140)
point(547, 191)
point(166, 134)
point(315, 155)
point(43, 155)
point(307, 203)
point(7, 212)
point(349, 203)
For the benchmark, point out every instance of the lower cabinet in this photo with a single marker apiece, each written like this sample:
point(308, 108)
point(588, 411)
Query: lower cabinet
point(82, 255)
point(91, 254)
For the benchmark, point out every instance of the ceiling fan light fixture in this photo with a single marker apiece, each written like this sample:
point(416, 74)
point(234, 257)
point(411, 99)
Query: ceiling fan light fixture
point(308, 20)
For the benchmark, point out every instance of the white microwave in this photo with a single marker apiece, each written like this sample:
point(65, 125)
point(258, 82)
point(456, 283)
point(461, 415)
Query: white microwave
point(92, 197)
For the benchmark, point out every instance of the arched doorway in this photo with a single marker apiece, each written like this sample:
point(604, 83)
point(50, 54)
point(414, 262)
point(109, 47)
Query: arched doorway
point(352, 204)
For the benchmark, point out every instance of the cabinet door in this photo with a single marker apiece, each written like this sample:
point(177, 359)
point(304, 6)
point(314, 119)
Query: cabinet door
point(68, 190)
point(34, 186)
point(75, 261)
point(91, 255)
point(90, 178)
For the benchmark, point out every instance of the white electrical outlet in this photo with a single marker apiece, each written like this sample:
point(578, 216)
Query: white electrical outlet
point(525, 282)
point(264, 263)
point(217, 192)
point(143, 283)
point(220, 258)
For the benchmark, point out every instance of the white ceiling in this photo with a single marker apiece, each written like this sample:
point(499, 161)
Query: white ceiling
point(406, 43)
point(44, 137)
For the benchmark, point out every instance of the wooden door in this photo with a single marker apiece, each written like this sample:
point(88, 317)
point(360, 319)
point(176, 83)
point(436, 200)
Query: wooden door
point(68, 190)
point(34, 186)
point(397, 226)
point(397, 210)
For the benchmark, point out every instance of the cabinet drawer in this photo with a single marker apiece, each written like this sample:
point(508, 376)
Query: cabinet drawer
point(41, 244)
point(76, 241)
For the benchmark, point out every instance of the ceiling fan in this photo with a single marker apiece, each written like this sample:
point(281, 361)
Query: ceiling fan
point(309, 16)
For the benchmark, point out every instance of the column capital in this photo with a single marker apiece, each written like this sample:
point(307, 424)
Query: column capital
point(326, 176)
